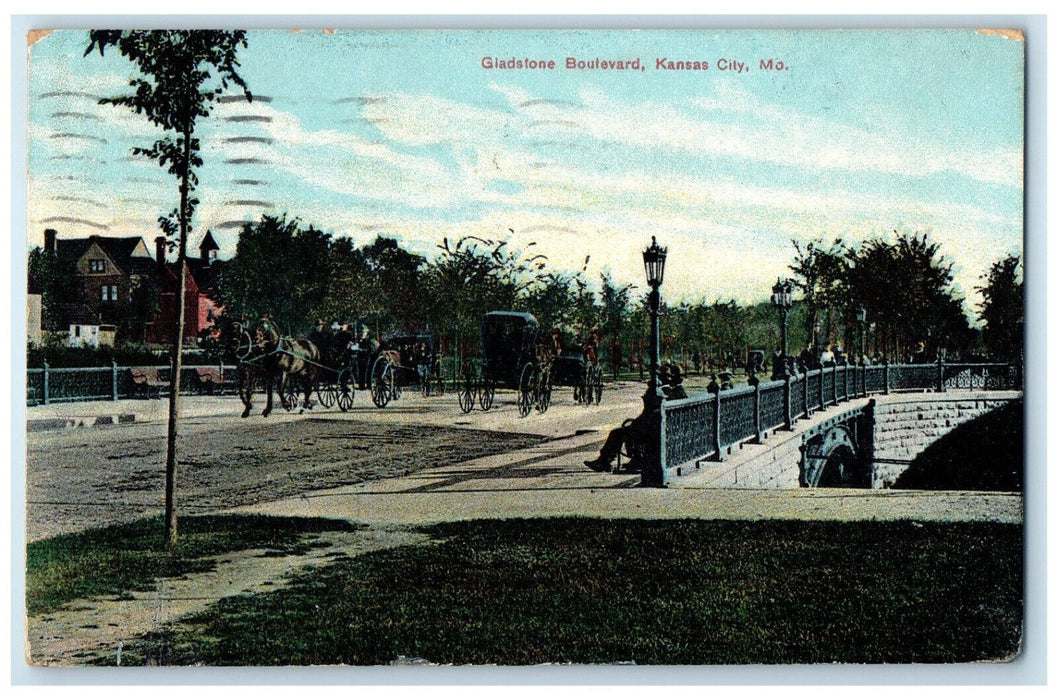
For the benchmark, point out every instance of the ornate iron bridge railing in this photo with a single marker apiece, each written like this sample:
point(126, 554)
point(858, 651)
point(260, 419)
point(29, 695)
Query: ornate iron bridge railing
point(703, 426)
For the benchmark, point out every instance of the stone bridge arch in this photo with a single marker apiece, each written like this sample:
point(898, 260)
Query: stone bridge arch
point(834, 459)
point(839, 452)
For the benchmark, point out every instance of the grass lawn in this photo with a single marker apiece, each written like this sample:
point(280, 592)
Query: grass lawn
point(650, 592)
point(115, 560)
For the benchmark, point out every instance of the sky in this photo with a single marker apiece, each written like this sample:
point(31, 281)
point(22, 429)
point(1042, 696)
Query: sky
point(407, 134)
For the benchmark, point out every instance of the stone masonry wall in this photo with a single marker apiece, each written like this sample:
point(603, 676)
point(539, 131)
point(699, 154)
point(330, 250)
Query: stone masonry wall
point(905, 424)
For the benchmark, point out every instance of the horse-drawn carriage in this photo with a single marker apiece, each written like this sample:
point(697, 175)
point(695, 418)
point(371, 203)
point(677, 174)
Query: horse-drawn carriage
point(515, 358)
point(333, 365)
point(574, 368)
point(402, 360)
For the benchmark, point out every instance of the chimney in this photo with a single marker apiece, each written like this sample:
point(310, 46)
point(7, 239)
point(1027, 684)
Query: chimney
point(49, 240)
point(159, 250)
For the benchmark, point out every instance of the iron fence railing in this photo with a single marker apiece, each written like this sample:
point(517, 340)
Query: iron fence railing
point(62, 385)
point(688, 428)
point(702, 426)
point(772, 405)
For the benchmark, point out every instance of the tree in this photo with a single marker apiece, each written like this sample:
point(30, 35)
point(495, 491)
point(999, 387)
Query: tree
point(906, 287)
point(616, 309)
point(280, 270)
point(475, 276)
point(1003, 310)
point(182, 72)
point(821, 273)
point(55, 279)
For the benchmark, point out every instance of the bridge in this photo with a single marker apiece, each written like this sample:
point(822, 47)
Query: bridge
point(846, 425)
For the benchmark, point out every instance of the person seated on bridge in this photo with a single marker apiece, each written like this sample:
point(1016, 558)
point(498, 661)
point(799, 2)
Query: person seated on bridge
point(630, 434)
point(671, 380)
point(633, 433)
point(725, 381)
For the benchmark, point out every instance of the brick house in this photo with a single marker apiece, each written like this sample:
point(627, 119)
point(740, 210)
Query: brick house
point(109, 271)
point(113, 270)
point(200, 309)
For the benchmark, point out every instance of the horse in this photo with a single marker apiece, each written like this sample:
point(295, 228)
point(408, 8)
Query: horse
point(281, 360)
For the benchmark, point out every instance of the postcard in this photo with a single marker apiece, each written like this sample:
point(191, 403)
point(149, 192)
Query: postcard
point(375, 348)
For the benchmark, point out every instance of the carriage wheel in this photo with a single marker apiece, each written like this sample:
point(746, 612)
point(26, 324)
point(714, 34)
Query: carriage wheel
point(466, 391)
point(326, 393)
point(345, 391)
point(543, 393)
point(487, 394)
point(381, 382)
point(526, 391)
point(596, 385)
point(244, 346)
point(289, 395)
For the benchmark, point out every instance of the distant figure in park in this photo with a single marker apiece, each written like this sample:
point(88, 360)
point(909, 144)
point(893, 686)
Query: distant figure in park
point(634, 433)
point(826, 359)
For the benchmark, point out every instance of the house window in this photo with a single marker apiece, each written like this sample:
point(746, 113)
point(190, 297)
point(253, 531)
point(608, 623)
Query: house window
point(97, 265)
point(108, 292)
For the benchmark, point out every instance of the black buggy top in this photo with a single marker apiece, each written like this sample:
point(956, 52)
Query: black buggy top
point(509, 343)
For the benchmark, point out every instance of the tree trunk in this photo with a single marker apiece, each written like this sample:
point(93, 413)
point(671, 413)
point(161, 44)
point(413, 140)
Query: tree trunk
point(178, 351)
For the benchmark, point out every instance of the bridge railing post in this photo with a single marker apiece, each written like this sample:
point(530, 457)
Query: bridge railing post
point(822, 374)
point(45, 397)
point(940, 372)
point(787, 399)
point(885, 376)
point(714, 389)
point(845, 378)
point(804, 390)
point(755, 383)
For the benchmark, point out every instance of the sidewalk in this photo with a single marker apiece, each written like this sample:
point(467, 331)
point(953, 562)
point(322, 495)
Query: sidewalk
point(80, 414)
point(549, 480)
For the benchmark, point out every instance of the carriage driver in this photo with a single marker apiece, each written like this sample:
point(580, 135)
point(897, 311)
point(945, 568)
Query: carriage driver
point(590, 347)
point(265, 331)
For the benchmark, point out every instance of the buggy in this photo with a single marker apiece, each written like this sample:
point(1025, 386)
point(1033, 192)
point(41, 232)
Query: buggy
point(573, 368)
point(511, 359)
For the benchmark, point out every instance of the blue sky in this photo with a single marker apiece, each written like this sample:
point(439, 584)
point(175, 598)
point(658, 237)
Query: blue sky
point(405, 134)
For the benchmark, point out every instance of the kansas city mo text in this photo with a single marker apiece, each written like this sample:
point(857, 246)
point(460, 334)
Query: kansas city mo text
point(634, 64)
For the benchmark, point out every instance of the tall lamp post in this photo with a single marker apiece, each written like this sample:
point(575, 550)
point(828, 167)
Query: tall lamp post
point(782, 298)
point(654, 263)
point(861, 321)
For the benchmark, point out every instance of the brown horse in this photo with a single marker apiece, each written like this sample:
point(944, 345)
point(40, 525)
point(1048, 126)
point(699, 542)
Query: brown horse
point(281, 361)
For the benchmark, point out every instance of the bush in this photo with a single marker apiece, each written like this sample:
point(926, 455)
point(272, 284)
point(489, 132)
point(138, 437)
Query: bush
point(124, 355)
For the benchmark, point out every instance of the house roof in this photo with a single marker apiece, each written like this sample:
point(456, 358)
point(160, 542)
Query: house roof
point(119, 250)
point(208, 242)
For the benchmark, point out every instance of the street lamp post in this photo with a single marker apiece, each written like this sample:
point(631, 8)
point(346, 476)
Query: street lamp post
point(654, 264)
point(782, 298)
point(861, 321)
